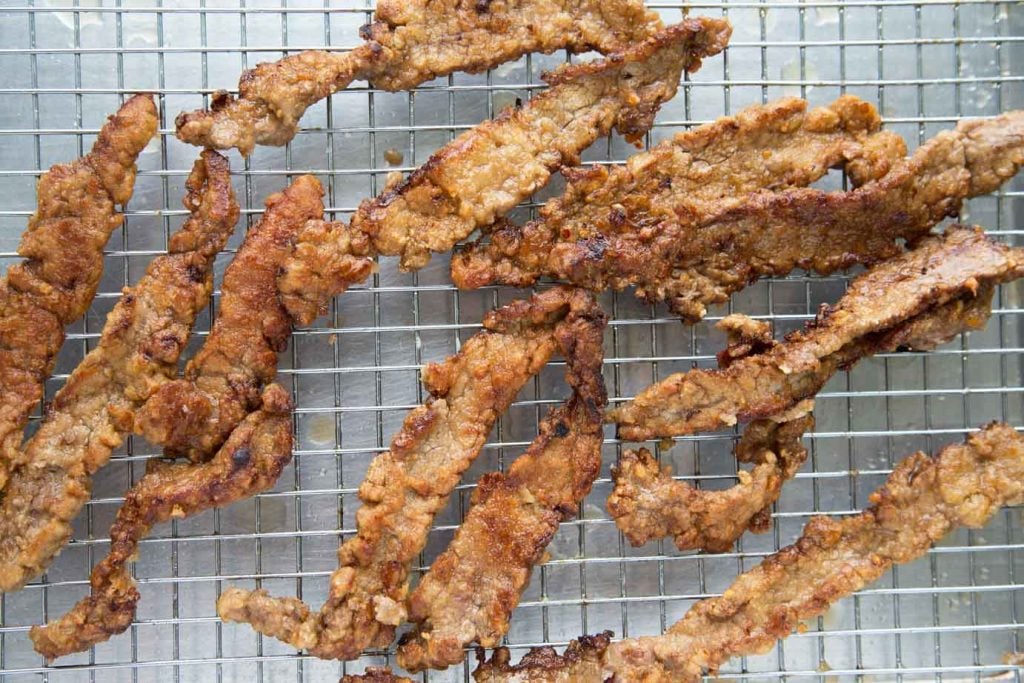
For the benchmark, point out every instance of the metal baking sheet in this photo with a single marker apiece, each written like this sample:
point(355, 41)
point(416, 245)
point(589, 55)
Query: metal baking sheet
point(65, 64)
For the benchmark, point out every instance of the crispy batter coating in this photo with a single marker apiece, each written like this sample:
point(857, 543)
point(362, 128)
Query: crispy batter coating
point(409, 43)
point(692, 253)
point(329, 257)
point(648, 504)
point(487, 171)
point(63, 251)
point(222, 384)
point(472, 588)
point(375, 674)
point(924, 499)
point(250, 461)
point(138, 350)
point(406, 486)
point(581, 661)
point(920, 299)
point(194, 416)
point(775, 146)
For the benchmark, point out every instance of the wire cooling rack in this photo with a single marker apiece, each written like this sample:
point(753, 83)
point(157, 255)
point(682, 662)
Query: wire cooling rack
point(65, 64)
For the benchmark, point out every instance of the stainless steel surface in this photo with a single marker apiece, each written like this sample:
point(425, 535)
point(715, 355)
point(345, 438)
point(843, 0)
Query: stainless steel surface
point(65, 64)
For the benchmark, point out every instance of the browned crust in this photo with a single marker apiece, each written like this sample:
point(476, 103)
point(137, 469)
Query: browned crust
point(581, 661)
point(63, 251)
point(375, 674)
point(692, 254)
point(406, 486)
point(923, 499)
point(328, 259)
point(488, 170)
point(250, 461)
point(648, 504)
point(409, 43)
point(775, 146)
point(138, 350)
point(950, 277)
point(472, 588)
point(222, 384)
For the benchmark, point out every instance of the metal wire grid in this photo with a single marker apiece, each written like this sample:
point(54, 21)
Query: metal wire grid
point(67, 63)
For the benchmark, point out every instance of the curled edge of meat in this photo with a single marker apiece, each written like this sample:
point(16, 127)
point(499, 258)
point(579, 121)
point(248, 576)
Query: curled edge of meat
point(473, 587)
point(55, 284)
point(407, 485)
point(409, 43)
point(648, 504)
point(250, 461)
point(222, 383)
point(138, 350)
point(924, 499)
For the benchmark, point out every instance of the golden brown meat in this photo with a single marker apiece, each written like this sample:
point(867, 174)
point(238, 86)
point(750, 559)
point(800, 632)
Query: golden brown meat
point(406, 486)
point(694, 253)
point(138, 350)
point(648, 504)
point(222, 384)
point(63, 250)
point(411, 42)
point(375, 674)
point(329, 257)
point(487, 171)
point(193, 416)
point(472, 588)
point(775, 146)
point(581, 661)
point(924, 499)
point(921, 298)
point(250, 461)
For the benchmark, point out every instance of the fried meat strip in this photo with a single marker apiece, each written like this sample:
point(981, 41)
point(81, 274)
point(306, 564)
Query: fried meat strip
point(222, 384)
point(409, 43)
point(775, 146)
point(919, 299)
point(194, 416)
point(63, 251)
point(647, 503)
point(406, 486)
point(375, 674)
point(138, 350)
point(487, 171)
point(474, 585)
point(924, 499)
point(692, 254)
point(250, 461)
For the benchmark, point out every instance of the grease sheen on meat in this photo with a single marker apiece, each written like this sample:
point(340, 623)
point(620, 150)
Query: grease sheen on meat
point(63, 251)
point(411, 42)
point(138, 350)
point(924, 499)
point(407, 485)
